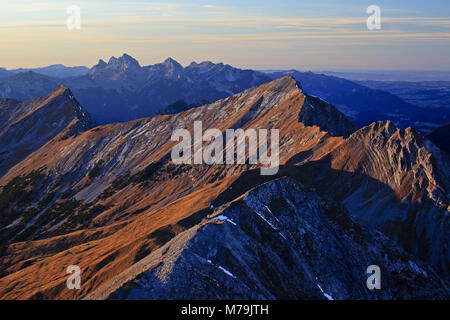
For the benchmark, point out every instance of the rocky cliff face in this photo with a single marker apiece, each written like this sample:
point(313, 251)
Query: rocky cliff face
point(399, 158)
point(225, 77)
point(315, 111)
point(278, 241)
point(111, 201)
point(395, 180)
point(29, 125)
point(363, 103)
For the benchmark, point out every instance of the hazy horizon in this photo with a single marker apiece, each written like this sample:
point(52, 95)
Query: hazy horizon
point(265, 69)
point(331, 35)
point(349, 73)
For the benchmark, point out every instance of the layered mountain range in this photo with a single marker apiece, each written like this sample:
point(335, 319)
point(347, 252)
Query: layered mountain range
point(363, 104)
point(54, 70)
point(110, 200)
point(121, 90)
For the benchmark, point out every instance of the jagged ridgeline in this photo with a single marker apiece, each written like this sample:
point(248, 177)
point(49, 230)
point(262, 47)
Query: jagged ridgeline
point(110, 200)
point(122, 89)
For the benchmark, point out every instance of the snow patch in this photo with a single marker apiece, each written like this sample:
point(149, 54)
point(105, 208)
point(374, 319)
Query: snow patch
point(226, 272)
point(225, 218)
point(267, 221)
point(324, 293)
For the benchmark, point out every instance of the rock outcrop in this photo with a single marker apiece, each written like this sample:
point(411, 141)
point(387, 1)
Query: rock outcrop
point(27, 126)
point(277, 241)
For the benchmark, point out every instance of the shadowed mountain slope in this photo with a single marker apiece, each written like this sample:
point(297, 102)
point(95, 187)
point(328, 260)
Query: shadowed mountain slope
point(394, 180)
point(277, 241)
point(364, 105)
point(441, 138)
point(111, 201)
point(26, 126)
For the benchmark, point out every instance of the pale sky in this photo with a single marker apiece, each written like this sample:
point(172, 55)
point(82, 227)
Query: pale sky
point(267, 34)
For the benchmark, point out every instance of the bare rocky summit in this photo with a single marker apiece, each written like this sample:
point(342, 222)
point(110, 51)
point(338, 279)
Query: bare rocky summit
point(26, 126)
point(110, 200)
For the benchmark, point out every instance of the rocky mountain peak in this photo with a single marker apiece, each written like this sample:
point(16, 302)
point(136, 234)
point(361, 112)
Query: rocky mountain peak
point(129, 60)
point(124, 62)
point(200, 68)
point(170, 60)
point(403, 159)
point(100, 65)
point(169, 69)
point(318, 112)
point(61, 103)
point(31, 124)
point(379, 128)
point(172, 64)
point(124, 67)
point(62, 90)
point(201, 64)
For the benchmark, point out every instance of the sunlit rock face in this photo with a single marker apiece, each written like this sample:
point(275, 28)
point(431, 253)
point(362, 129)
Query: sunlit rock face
point(26, 126)
point(110, 199)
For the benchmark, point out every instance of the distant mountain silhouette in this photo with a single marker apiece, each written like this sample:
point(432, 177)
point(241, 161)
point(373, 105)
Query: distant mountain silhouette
point(122, 90)
point(56, 71)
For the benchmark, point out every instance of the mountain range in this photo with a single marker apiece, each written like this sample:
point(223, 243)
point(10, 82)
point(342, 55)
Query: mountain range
point(123, 90)
point(55, 70)
point(109, 199)
point(364, 104)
